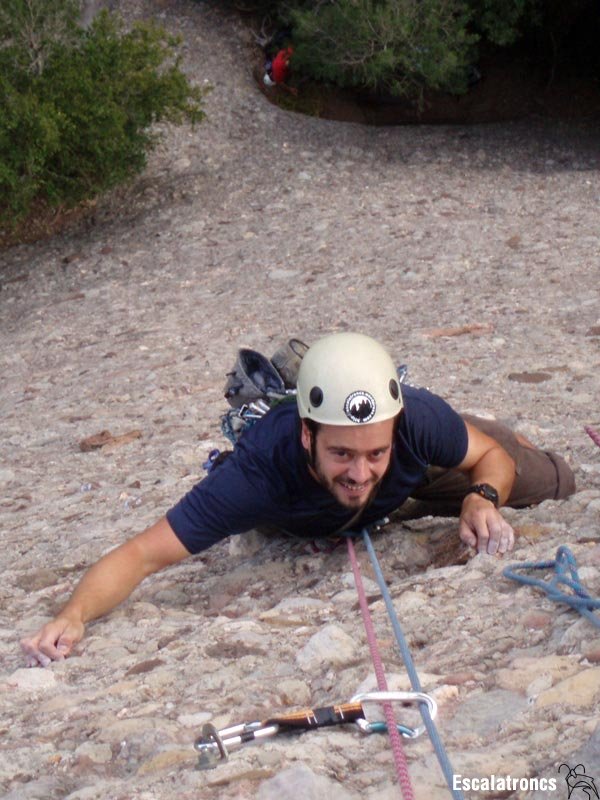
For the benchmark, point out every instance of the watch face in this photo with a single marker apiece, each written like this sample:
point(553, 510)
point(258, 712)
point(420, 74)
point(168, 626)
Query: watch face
point(491, 494)
point(486, 491)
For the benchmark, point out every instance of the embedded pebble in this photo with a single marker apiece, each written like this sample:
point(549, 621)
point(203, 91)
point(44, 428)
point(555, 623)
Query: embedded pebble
point(31, 679)
point(194, 720)
point(580, 690)
point(487, 712)
point(6, 476)
point(301, 781)
point(331, 645)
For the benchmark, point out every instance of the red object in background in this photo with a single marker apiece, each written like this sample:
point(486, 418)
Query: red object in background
point(280, 67)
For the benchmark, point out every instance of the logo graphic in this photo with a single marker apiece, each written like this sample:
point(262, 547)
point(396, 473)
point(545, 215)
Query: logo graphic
point(360, 407)
point(578, 783)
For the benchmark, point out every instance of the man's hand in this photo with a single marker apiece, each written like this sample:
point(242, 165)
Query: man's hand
point(106, 584)
point(482, 526)
point(53, 642)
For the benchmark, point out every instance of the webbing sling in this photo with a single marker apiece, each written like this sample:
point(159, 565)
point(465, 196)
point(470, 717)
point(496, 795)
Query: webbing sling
point(578, 598)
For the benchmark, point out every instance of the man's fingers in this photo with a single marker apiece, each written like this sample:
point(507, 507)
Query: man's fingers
point(52, 643)
point(466, 535)
point(487, 530)
point(495, 527)
point(38, 653)
point(507, 539)
point(483, 535)
point(35, 658)
point(47, 647)
point(30, 647)
point(64, 645)
point(501, 537)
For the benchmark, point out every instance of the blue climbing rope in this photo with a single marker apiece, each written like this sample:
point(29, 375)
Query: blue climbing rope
point(563, 563)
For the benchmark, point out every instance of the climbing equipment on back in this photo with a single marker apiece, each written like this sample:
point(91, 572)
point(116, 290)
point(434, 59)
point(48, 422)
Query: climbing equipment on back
point(564, 562)
point(287, 360)
point(252, 377)
point(255, 384)
point(213, 745)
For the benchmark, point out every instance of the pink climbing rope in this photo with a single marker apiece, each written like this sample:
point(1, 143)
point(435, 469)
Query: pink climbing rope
point(594, 436)
point(395, 740)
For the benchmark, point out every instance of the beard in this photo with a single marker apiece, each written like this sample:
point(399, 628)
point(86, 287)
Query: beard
point(337, 488)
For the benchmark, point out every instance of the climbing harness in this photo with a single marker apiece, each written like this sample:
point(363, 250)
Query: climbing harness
point(594, 435)
point(563, 563)
point(213, 745)
point(406, 656)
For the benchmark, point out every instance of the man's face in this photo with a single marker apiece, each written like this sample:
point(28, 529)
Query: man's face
point(351, 460)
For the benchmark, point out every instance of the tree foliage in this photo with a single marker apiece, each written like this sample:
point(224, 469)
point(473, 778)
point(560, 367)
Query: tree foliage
point(502, 22)
point(399, 45)
point(408, 45)
point(78, 105)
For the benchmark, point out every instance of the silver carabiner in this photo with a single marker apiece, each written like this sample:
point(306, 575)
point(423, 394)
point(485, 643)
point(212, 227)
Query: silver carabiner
point(403, 698)
point(213, 745)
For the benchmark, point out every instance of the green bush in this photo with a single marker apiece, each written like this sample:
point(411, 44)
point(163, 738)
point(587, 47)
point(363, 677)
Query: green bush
point(502, 22)
point(398, 45)
point(78, 105)
point(407, 46)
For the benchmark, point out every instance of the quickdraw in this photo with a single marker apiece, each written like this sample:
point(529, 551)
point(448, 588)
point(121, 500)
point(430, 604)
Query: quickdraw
point(213, 745)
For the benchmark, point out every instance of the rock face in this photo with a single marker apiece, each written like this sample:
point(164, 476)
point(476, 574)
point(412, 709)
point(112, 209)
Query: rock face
point(301, 781)
point(473, 254)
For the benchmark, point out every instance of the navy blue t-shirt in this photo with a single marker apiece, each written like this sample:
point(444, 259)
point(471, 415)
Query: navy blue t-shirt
point(266, 481)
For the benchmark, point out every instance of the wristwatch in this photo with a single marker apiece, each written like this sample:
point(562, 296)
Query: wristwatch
point(486, 491)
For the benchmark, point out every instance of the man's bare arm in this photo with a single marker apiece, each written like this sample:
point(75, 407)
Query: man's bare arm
point(106, 584)
point(481, 524)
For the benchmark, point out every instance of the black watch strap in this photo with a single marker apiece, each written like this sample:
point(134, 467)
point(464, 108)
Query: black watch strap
point(486, 491)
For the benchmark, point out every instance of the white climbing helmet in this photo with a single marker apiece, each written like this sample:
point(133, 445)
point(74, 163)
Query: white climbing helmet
point(348, 378)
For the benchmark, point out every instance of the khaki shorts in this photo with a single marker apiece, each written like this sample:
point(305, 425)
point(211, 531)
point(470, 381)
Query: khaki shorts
point(540, 475)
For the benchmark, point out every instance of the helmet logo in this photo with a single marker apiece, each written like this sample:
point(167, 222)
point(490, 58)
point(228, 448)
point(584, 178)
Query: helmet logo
point(360, 407)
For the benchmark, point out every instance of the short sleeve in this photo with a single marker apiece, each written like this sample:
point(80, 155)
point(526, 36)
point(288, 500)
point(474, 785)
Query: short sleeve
point(433, 430)
point(233, 498)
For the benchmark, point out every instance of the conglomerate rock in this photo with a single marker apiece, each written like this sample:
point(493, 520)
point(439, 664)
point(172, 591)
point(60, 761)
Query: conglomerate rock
point(473, 254)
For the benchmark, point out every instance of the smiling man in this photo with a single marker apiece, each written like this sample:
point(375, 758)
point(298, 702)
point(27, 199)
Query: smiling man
point(353, 448)
point(349, 463)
